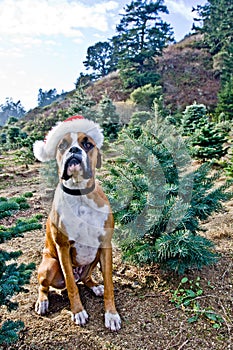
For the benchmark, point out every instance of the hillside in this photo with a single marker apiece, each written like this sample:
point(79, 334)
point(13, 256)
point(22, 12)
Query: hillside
point(187, 75)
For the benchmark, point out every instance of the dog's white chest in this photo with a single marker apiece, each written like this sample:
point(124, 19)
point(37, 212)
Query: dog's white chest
point(83, 222)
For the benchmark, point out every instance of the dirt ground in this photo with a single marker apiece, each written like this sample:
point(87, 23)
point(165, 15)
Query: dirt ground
point(143, 296)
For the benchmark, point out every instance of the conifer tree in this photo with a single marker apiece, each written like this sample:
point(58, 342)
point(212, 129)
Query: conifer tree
point(194, 117)
point(100, 59)
point(217, 24)
point(82, 104)
point(158, 201)
point(141, 35)
point(108, 118)
point(225, 100)
point(207, 142)
point(205, 138)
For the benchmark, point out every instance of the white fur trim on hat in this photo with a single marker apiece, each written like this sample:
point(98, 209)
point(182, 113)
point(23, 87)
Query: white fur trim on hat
point(46, 150)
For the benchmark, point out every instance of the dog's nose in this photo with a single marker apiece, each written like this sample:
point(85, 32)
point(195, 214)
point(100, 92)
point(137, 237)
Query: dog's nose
point(75, 150)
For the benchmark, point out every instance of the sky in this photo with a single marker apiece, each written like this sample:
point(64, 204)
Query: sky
point(43, 43)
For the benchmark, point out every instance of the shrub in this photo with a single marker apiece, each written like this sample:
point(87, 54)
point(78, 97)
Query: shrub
point(145, 95)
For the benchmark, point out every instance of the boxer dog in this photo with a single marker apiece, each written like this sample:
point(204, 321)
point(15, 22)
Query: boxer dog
point(80, 225)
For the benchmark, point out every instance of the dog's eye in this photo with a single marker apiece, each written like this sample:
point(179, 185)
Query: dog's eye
point(87, 145)
point(63, 145)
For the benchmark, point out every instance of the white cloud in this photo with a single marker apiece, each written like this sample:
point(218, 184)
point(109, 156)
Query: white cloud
point(52, 17)
point(180, 7)
point(11, 52)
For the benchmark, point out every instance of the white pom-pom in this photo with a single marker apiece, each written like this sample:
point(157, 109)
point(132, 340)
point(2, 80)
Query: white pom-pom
point(39, 151)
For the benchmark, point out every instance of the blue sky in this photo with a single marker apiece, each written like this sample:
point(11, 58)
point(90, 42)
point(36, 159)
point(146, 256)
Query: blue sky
point(43, 43)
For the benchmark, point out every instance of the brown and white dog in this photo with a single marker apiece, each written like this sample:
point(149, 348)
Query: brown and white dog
point(80, 225)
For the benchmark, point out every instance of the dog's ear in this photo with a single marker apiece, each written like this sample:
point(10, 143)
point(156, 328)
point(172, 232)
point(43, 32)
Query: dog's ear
point(99, 160)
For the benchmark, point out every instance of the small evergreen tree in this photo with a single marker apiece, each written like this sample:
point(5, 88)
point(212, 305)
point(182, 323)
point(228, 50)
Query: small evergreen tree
point(158, 201)
point(205, 138)
point(194, 117)
point(225, 100)
point(108, 118)
point(207, 142)
point(137, 120)
point(82, 104)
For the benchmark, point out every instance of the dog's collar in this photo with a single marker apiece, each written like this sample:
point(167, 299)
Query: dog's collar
point(78, 192)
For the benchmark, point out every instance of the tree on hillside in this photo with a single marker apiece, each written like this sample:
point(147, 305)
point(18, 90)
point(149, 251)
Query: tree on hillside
point(100, 59)
point(217, 24)
point(46, 97)
point(11, 109)
point(217, 19)
point(141, 35)
point(225, 101)
point(144, 96)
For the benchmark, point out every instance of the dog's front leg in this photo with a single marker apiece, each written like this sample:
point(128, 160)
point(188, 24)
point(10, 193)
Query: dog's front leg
point(79, 314)
point(112, 318)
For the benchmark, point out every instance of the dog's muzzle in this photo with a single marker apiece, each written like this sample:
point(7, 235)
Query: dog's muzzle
point(76, 159)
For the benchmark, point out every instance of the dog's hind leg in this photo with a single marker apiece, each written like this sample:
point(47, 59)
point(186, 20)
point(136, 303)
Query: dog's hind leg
point(49, 274)
point(88, 280)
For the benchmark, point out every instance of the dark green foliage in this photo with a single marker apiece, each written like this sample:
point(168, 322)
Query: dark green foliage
point(207, 142)
point(13, 277)
point(217, 19)
point(11, 109)
point(141, 35)
point(133, 77)
point(137, 120)
point(205, 138)
point(100, 59)
point(47, 97)
point(158, 200)
point(194, 117)
point(108, 118)
point(13, 138)
point(9, 330)
point(82, 104)
point(21, 226)
point(84, 80)
point(225, 101)
point(8, 206)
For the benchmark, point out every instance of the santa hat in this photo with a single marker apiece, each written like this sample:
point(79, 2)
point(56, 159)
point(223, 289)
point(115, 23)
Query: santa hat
point(46, 150)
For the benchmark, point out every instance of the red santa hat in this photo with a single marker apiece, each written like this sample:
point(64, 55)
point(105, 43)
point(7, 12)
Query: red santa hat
point(46, 150)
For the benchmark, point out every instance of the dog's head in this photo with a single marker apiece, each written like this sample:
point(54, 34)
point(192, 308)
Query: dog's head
point(75, 144)
point(77, 157)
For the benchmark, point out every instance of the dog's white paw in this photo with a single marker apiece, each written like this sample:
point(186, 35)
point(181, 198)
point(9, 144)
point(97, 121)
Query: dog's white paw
point(42, 307)
point(80, 318)
point(112, 321)
point(98, 290)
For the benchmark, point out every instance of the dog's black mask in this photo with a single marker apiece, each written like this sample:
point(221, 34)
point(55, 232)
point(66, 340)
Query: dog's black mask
point(75, 159)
